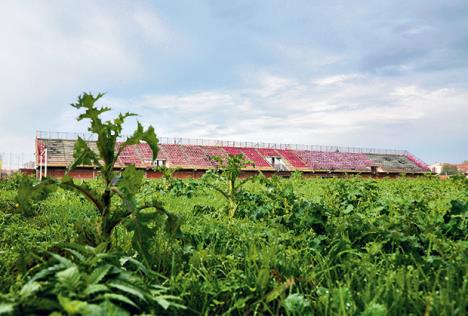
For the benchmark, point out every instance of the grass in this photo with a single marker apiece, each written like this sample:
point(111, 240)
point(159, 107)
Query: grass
point(295, 247)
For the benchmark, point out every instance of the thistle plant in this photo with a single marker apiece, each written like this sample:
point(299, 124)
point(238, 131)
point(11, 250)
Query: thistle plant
point(117, 202)
point(225, 180)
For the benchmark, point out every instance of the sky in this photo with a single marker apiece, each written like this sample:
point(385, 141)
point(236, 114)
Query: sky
point(385, 74)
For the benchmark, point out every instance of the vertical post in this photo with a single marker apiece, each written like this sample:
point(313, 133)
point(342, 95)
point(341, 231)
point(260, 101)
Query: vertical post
point(40, 167)
point(45, 164)
point(35, 162)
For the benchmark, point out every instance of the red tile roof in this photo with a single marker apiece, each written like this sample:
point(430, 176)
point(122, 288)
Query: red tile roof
point(463, 167)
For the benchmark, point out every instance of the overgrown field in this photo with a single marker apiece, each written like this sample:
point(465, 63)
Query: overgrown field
point(282, 247)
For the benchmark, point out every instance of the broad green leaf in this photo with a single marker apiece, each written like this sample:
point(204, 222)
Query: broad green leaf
point(168, 300)
point(69, 278)
point(129, 289)
point(6, 308)
point(142, 234)
point(48, 271)
point(162, 301)
point(94, 309)
point(111, 309)
point(297, 304)
point(137, 263)
point(120, 298)
point(29, 289)
point(95, 288)
point(98, 274)
point(62, 260)
point(131, 181)
point(72, 307)
point(77, 255)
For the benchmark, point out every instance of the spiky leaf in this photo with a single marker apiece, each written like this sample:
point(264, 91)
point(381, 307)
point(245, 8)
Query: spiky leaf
point(83, 155)
point(131, 181)
point(142, 233)
point(148, 136)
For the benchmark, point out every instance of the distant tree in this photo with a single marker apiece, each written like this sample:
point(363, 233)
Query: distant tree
point(465, 162)
point(449, 169)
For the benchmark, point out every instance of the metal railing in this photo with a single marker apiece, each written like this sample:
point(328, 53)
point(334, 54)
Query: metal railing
point(230, 143)
point(10, 162)
point(65, 135)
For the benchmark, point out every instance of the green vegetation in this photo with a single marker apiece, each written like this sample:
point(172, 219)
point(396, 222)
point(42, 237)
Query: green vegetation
point(231, 246)
point(123, 185)
point(225, 180)
point(295, 246)
point(63, 285)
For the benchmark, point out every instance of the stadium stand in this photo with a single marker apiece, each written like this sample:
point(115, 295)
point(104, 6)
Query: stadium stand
point(145, 153)
point(293, 158)
point(213, 151)
point(421, 164)
point(232, 150)
point(394, 163)
point(268, 152)
point(58, 153)
point(335, 160)
point(175, 155)
point(129, 156)
point(257, 159)
point(196, 156)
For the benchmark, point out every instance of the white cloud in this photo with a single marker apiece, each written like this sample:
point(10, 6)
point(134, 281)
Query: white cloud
point(197, 102)
point(53, 51)
point(298, 112)
point(337, 79)
point(313, 58)
point(153, 28)
point(271, 84)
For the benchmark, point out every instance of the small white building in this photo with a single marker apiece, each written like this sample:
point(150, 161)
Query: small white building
point(436, 167)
